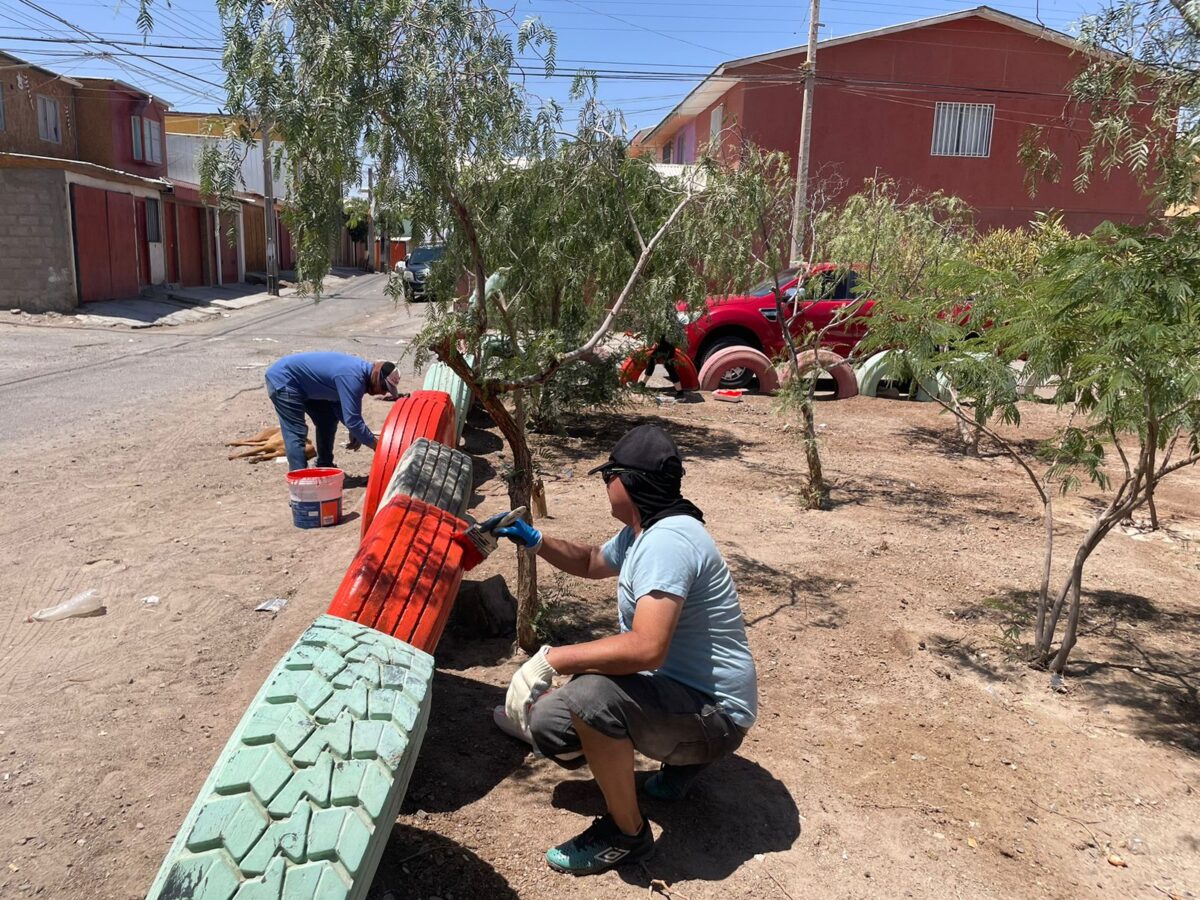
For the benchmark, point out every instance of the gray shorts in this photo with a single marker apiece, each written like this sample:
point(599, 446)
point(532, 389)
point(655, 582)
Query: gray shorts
point(665, 720)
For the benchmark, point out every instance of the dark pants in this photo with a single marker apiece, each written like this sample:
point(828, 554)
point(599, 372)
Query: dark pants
point(665, 720)
point(663, 353)
point(291, 409)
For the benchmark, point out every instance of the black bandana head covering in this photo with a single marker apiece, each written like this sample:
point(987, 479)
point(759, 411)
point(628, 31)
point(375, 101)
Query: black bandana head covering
point(649, 465)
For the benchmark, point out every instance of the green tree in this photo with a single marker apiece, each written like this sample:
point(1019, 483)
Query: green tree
point(1112, 323)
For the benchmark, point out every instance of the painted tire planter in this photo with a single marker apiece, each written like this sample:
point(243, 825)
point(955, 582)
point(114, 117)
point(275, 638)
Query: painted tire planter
point(440, 377)
point(738, 357)
point(405, 577)
point(434, 474)
point(842, 373)
point(890, 364)
point(423, 414)
point(633, 367)
point(301, 802)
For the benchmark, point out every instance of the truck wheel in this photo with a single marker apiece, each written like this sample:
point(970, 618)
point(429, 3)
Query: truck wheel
point(722, 366)
point(733, 376)
point(434, 473)
point(405, 576)
point(302, 800)
point(423, 414)
point(440, 377)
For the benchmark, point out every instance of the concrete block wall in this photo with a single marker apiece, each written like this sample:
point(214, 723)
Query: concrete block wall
point(37, 271)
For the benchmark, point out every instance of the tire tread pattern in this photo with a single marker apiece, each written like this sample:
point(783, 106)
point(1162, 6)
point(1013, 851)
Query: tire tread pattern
point(405, 577)
point(440, 377)
point(434, 473)
point(301, 802)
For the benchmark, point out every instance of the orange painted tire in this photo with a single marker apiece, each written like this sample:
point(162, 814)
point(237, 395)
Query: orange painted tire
point(405, 576)
point(839, 370)
point(738, 357)
point(634, 366)
point(423, 414)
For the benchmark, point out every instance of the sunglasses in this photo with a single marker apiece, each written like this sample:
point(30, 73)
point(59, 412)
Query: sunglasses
point(609, 474)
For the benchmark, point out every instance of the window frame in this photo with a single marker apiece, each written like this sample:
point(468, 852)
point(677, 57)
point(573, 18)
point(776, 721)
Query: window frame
point(716, 122)
point(151, 141)
point(135, 123)
point(45, 101)
point(153, 220)
point(955, 123)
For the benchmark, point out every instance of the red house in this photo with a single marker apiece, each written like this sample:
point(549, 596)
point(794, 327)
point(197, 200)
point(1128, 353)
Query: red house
point(941, 103)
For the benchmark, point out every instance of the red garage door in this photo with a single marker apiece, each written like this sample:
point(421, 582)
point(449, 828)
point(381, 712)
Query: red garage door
point(106, 258)
point(229, 248)
point(191, 245)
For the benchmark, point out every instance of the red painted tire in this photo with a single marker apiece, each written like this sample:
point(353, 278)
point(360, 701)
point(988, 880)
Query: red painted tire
point(839, 370)
point(406, 574)
point(734, 357)
point(423, 414)
point(634, 366)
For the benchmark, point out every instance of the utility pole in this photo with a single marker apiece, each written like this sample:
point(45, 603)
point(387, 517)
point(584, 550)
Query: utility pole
point(269, 211)
point(800, 203)
point(370, 219)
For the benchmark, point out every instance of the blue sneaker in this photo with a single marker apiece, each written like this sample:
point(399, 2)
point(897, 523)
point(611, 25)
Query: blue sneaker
point(602, 846)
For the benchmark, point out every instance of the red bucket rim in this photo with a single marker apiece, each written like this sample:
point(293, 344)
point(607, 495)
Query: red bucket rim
point(313, 474)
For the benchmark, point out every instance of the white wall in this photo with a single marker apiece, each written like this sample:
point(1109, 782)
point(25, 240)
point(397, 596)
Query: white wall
point(183, 162)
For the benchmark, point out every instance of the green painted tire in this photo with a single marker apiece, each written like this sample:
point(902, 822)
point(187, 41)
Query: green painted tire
point(440, 377)
point(300, 804)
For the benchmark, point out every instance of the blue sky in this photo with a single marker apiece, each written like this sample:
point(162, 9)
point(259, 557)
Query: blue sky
point(674, 36)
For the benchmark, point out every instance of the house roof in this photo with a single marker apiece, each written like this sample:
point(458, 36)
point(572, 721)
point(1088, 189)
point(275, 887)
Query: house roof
point(719, 80)
point(63, 78)
point(90, 80)
point(28, 161)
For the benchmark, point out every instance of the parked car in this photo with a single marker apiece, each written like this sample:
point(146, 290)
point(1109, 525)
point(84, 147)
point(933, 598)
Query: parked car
point(415, 269)
point(750, 319)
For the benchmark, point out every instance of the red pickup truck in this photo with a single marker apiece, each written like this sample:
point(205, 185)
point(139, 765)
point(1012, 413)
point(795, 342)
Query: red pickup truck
point(750, 319)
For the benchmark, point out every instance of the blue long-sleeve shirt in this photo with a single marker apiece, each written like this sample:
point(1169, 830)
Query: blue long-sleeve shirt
point(327, 375)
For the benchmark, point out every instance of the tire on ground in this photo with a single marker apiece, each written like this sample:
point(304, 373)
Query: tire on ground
point(842, 373)
point(434, 473)
point(302, 800)
point(633, 367)
point(891, 365)
point(440, 377)
point(740, 356)
point(406, 574)
point(423, 414)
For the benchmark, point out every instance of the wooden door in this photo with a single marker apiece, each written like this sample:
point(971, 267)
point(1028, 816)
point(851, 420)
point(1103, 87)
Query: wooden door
point(143, 242)
point(229, 248)
point(172, 242)
point(191, 245)
point(89, 212)
point(122, 244)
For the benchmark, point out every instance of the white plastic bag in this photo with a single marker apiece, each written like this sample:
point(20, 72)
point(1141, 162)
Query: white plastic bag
point(84, 604)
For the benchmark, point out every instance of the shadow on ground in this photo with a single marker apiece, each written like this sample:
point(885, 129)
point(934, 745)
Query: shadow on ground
point(807, 600)
point(464, 755)
point(1132, 653)
point(734, 811)
point(593, 437)
point(924, 503)
point(417, 864)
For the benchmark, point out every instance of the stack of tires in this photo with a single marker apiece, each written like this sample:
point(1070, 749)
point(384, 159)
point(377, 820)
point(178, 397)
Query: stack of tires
point(301, 801)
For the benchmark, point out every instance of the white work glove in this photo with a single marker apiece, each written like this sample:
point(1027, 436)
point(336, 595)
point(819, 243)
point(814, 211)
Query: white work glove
point(528, 683)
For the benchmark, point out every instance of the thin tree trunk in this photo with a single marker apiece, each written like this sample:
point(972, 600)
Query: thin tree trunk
point(1047, 560)
point(818, 492)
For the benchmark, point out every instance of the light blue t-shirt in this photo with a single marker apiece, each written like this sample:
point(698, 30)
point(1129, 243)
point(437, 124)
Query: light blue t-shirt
point(709, 650)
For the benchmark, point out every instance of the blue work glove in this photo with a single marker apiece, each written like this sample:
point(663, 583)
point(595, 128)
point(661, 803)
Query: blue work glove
point(521, 532)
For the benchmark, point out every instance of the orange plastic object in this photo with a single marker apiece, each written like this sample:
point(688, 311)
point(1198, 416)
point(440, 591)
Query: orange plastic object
point(405, 576)
point(423, 414)
point(634, 366)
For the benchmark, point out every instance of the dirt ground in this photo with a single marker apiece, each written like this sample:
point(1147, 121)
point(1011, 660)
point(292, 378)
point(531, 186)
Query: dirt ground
point(900, 752)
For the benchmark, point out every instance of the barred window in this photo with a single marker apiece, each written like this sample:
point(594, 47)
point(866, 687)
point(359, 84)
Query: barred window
point(962, 129)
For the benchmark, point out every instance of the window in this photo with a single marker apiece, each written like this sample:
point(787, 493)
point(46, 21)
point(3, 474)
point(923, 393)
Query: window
point(152, 141)
point(136, 122)
point(48, 120)
point(1, 106)
point(153, 233)
point(716, 122)
point(666, 153)
point(962, 129)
